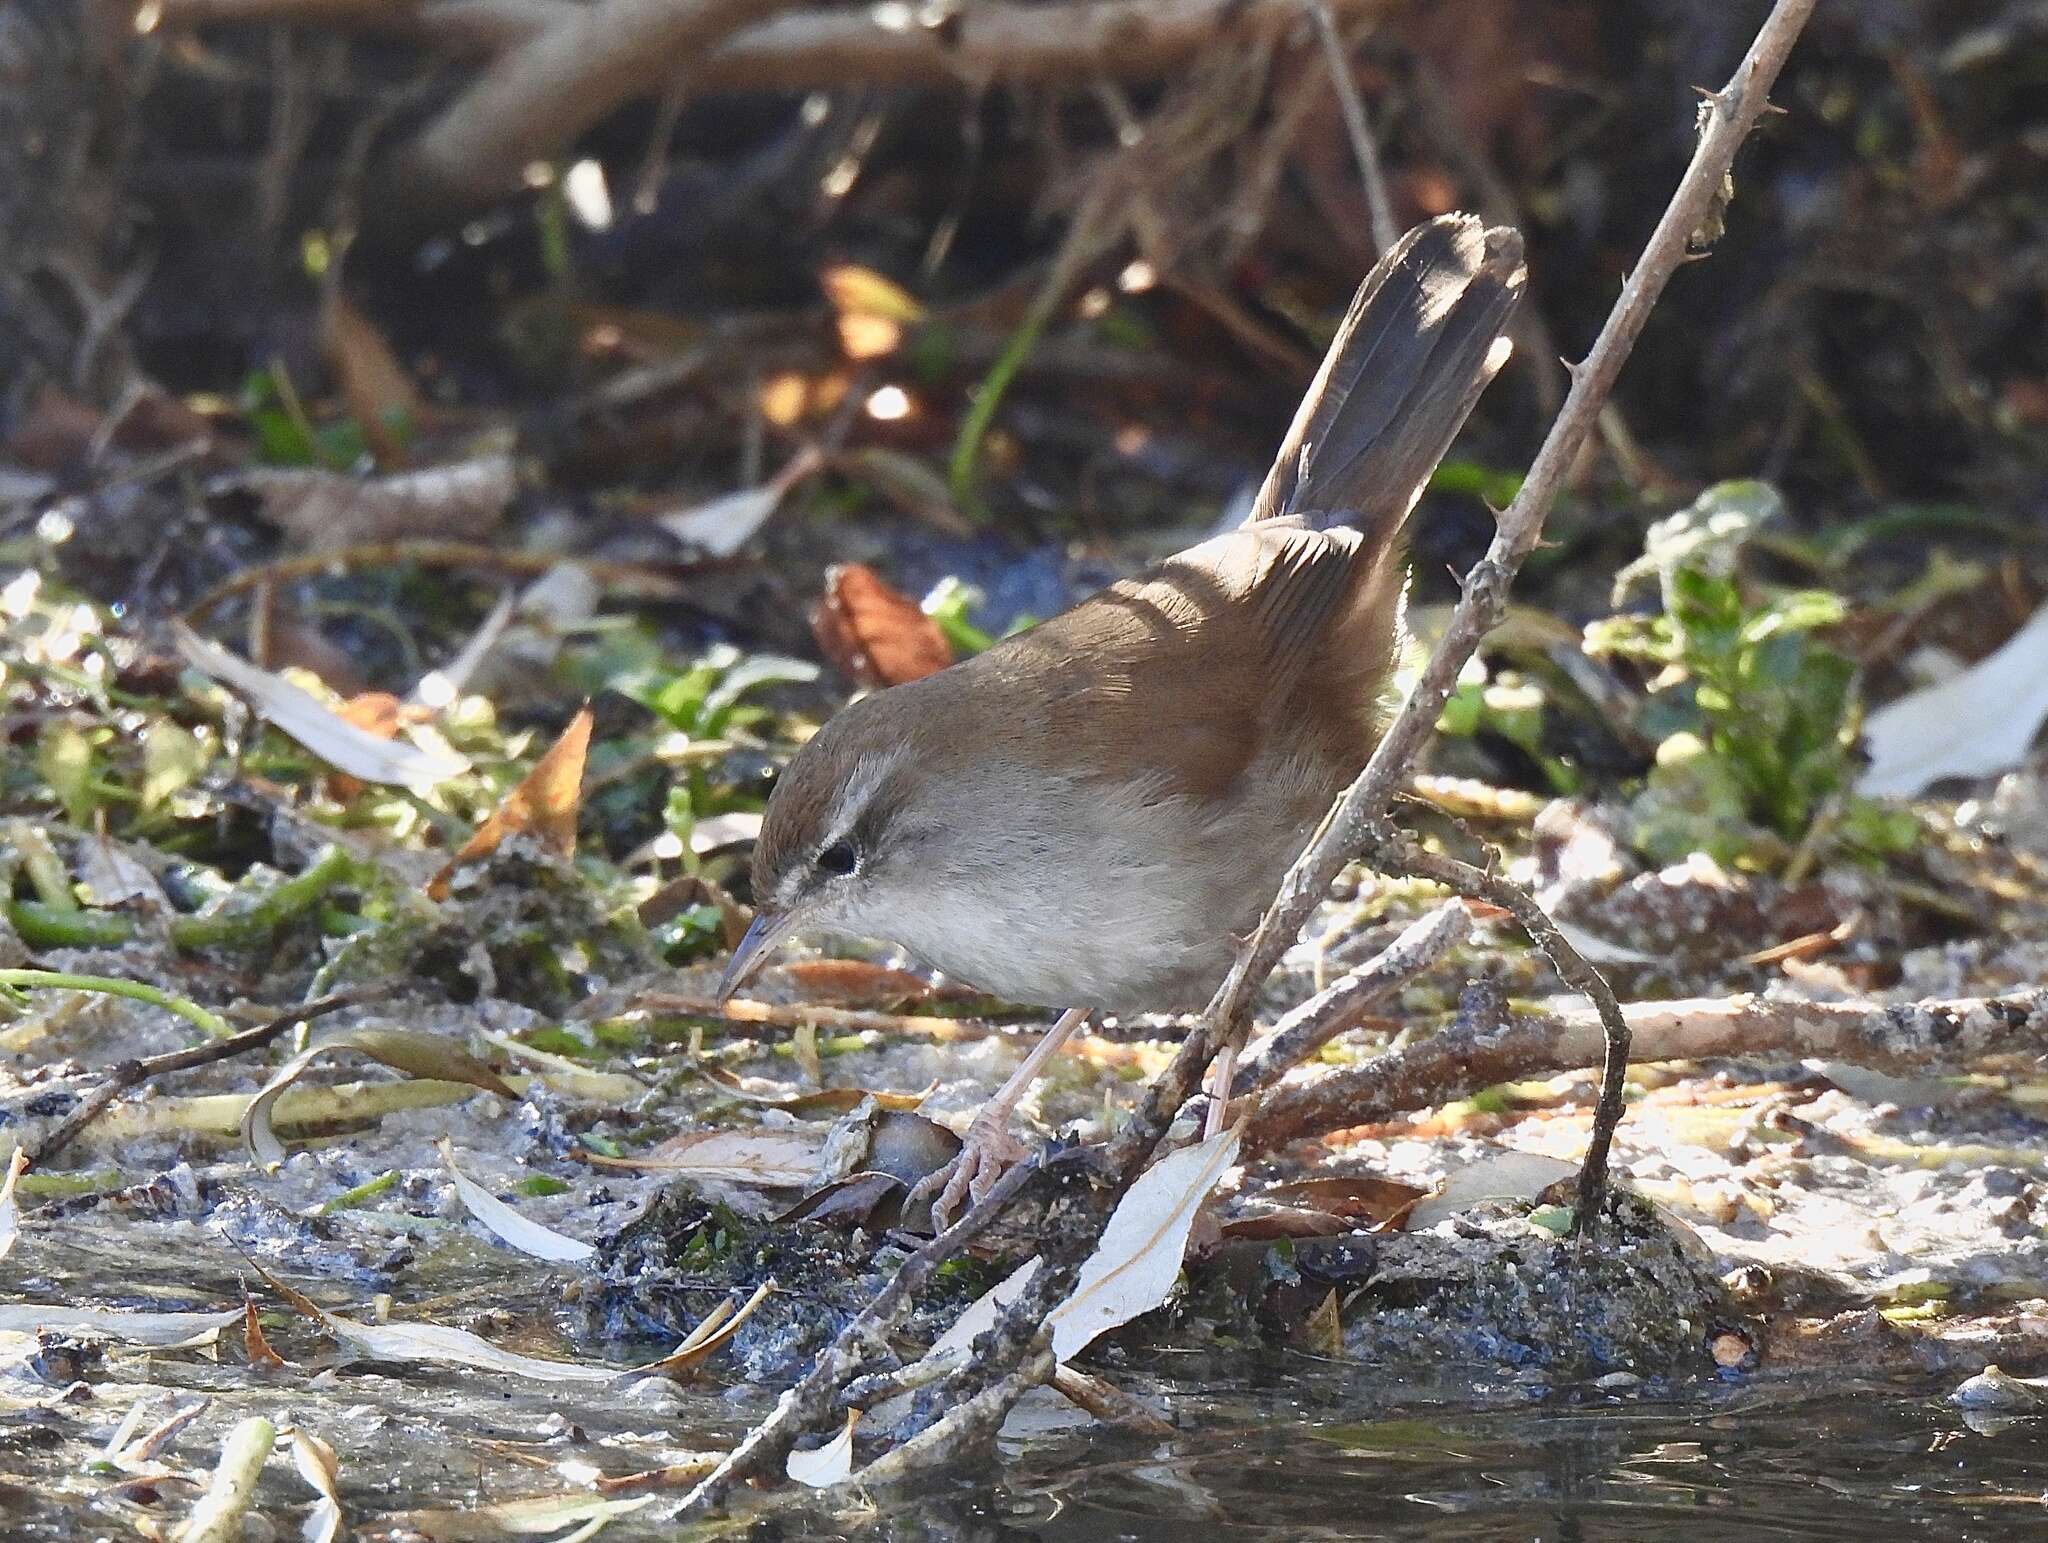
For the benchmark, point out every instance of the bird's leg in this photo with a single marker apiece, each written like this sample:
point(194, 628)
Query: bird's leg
point(988, 1147)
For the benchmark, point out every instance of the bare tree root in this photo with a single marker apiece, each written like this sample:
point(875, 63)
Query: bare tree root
point(1914, 1038)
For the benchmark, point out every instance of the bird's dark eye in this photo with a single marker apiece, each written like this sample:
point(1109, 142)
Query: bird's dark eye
point(839, 858)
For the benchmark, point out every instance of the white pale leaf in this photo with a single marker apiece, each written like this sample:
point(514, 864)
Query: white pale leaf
point(1135, 1265)
point(774, 1159)
point(1598, 950)
point(319, 1467)
point(822, 1467)
point(723, 830)
point(444, 1345)
point(10, 1213)
point(724, 525)
point(158, 1330)
point(1981, 721)
point(1515, 1176)
point(306, 719)
point(507, 1225)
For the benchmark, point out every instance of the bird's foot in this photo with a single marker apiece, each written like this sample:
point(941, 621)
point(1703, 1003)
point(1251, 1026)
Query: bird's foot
point(986, 1151)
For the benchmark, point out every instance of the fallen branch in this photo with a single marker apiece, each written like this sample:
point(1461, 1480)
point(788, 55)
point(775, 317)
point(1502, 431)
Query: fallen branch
point(535, 100)
point(1913, 1038)
point(990, 42)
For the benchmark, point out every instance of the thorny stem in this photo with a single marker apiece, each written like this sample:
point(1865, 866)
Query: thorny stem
point(1346, 833)
point(1405, 856)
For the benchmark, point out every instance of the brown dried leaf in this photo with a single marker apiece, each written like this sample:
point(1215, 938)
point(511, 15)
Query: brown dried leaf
point(1368, 1198)
point(544, 805)
point(324, 510)
point(874, 633)
point(855, 982)
point(375, 385)
point(260, 1353)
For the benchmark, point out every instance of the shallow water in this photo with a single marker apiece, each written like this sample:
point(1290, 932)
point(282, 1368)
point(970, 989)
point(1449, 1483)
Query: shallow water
point(1268, 1446)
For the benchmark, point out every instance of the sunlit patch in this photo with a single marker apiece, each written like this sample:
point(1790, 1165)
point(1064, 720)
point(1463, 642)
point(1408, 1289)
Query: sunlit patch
point(666, 847)
point(589, 196)
point(889, 403)
point(435, 690)
point(1132, 438)
point(1137, 277)
point(1498, 354)
point(868, 337)
point(54, 527)
point(537, 174)
point(839, 181)
point(893, 16)
point(1094, 303)
point(19, 597)
point(816, 109)
point(782, 397)
point(147, 15)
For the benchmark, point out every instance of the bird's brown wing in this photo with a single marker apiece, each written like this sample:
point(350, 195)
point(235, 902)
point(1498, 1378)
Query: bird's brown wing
point(1176, 673)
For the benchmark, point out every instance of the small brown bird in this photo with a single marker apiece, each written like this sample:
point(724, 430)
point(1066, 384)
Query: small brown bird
point(1094, 812)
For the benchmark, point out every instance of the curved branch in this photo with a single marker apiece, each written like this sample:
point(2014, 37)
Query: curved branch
point(1914, 1038)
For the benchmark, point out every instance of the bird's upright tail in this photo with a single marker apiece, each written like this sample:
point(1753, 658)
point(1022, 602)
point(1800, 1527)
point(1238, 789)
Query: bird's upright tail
point(1422, 338)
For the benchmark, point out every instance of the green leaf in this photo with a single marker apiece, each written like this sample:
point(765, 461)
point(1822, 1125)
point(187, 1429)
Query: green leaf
point(172, 758)
point(64, 757)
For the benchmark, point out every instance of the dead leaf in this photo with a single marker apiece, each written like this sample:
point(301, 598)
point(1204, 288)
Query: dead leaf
point(1322, 1331)
point(822, 1467)
point(379, 392)
point(318, 1466)
point(506, 1224)
point(1511, 1176)
point(852, 1201)
point(317, 727)
point(1980, 721)
point(428, 1056)
point(871, 310)
point(772, 1159)
point(722, 526)
point(874, 633)
point(543, 805)
point(531, 1516)
point(855, 982)
point(813, 1100)
point(253, 1341)
point(323, 511)
point(1134, 1266)
point(1367, 1198)
point(10, 1212)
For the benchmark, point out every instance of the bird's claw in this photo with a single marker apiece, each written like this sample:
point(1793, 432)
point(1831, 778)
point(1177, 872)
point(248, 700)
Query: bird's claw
point(986, 1151)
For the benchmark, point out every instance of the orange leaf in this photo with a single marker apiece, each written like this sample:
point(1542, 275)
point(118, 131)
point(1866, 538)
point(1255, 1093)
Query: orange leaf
point(543, 805)
point(873, 632)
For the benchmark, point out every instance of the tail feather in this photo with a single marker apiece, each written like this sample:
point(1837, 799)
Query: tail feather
point(1419, 344)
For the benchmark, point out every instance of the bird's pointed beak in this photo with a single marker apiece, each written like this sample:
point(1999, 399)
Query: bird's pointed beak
point(764, 936)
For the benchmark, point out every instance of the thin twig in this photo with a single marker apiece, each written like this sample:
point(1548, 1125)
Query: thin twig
point(1914, 1038)
point(1347, 832)
point(1401, 855)
point(1378, 205)
point(813, 1402)
point(1338, 1006)
point(965, 1426)
point(133, 1073)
